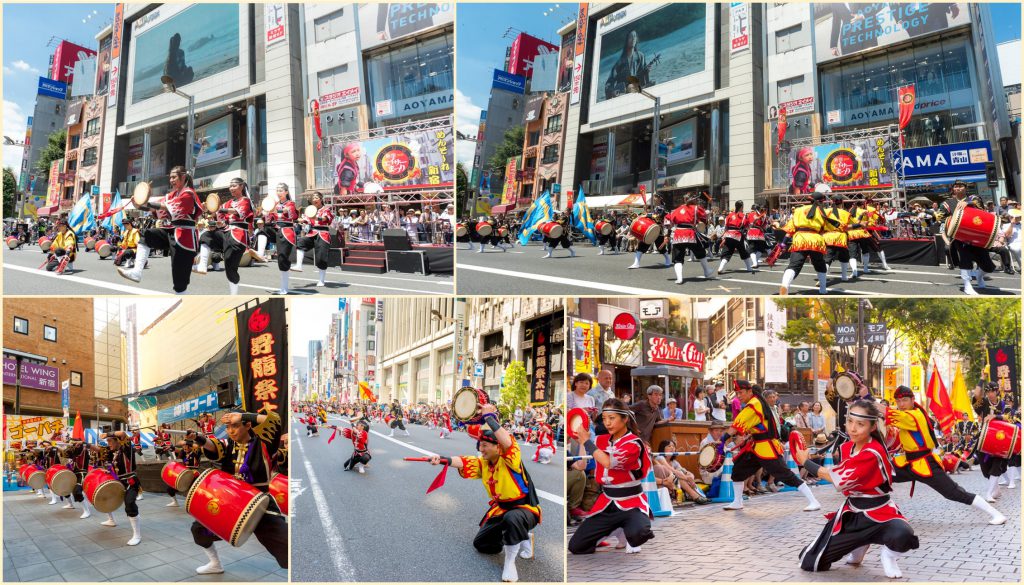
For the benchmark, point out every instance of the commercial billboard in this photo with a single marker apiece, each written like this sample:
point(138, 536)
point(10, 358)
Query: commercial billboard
point(661, 350)
point(525, 48)
point(64, 58)
point(189, 44)
point(32, 375)
point(215, 141)
point(380, 24)
point(409, 160)
point(843, 29)
point(851, 164)
point(945, 159)
point(52, 88)
point(508, 191)
point(84, 77)
point(508, 82)
point(579, 51)
point(681, 140)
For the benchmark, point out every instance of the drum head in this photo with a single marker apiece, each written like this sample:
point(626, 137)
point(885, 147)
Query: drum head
point(103, 248)
point(141, 194)
point(268, 203)
point(246, 259)
point(707, 455)
point(63, 482)
point(247, 521)
point(212, 202)
point(310, 211)
point(185, 480)
point(652, 234)
point(575, 420)
point(109, 496)
point(12, 242)
point(484, 229)
point(461, 231)
point(36, 480)
point(465, 404)
point(846, 386)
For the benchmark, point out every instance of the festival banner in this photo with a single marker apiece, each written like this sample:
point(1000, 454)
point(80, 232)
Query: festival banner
point(1003, 368)
point(32, 428)
point(890, 380)
point(585, 339)
point(508, 192)
point(580, 48)
point(938, 401)
point(917, 379)
point(540, 391)
point(775, 349)
point(408, 160)
point(261, 338)
point(856, 163)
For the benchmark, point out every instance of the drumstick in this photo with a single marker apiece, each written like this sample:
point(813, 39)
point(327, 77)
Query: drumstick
point(424, 459)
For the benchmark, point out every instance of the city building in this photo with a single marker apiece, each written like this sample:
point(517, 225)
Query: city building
point(544, 137)
point(416, 360)
point(81, 157)
point(506, 329)
point(47, 118)
point(837, 82)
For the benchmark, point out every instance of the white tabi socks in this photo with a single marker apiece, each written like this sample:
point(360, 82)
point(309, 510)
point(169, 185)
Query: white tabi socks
point(668, 261)
point(547, 249)
point(885, 265)
point(753, 258)
point(845, 268)
point(787, 279)
point(853, 266)
point(141, 256)
point(509, 574)
point(85, 506)
point(856, 556)
point(822, 283)
point(300, 255)
point(173, 503)
point(261, 246)
point(53, 498)
point(636, 260)
point(679, 272)
point(996, 516)
point(993, 489)
point(109, 521)
point(708, 272)
point(865, 259)
point(526, 548)
point(748, 264)
point(737, 497)
point(203, 264)
point(323, 278)
point(69, 505)
point(721, 265)
point(965, 276)
point(889, 558)
point(812, 502)
point(601, 253)
point(214, 566)
point(572, 251)
point(284, 283)
point(481, 248)
point(136, 534)
point(232, 288)
point(979, 275)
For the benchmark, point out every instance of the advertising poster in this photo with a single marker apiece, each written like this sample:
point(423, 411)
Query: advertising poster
point(660, 46)
point(215, 141)
point(382, 23)
point(843, 29)
point(672, 351)
point(276, 23)
point(192, 44)
point(508, 192)
point(852, 164)
point(739, 32)
point(189, 409)
point(586, 337)
point(525, 48)
point(32, 428)
point(65, 56)
point(680, 140)
point(410, 160)
point(53, 188)
point(158, 160)
point(623, 158)
point(579, 52)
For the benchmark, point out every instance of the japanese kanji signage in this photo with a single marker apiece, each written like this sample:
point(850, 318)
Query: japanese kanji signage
point(31, 428)
point(262, 342)
point(1003, 368)
point(540, 391)
point(188, 409)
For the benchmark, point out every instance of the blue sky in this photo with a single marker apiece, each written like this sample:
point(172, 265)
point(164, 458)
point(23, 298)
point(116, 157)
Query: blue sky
point(27, 30)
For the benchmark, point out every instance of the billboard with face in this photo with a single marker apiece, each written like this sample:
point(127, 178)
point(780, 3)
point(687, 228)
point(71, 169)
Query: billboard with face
point(188, 45)
point(843, 29)
point(411, 160)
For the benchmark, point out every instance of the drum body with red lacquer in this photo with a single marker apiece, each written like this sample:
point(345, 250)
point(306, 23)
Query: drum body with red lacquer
point(603, 227)
point(34, 477)
point(61, 480)
point(177, 476)
point(226, 506)
point(461, 231)
point(710, 459)
point(645, 229)
point(552, 230)
point(484, 229)
point(1000, 438)
point(279, 491)
point(105, 493)
point(103, 248)
point(973, 226)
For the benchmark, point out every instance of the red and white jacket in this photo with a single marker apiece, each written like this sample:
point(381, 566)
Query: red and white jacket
point(185, 209)
point(866, 474)
point(756, 225)
point(284, 215)
point(446, 421)
point(735, 223)
point(686, 218)
point(239, 223)
point(321, 223)
point(359, 439)
point(620, 482)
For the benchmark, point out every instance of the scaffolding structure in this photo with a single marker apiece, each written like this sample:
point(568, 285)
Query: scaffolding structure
point(893, 195)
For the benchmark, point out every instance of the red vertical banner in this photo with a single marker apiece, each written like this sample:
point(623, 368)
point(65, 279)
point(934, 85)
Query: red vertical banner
point(907, 97)
point(262, 343)
point(540, 391)
point(938, 401)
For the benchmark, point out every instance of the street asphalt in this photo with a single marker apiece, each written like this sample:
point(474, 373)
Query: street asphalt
point(523, 271)
point(381, 526)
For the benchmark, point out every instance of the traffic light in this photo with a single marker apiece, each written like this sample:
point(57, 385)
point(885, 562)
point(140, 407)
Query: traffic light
point(990, 174)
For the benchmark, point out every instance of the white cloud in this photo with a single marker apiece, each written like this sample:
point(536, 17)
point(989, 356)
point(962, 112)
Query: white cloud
point(23, 66)
point(467, 121)
point(15, 120)
point(8, 70)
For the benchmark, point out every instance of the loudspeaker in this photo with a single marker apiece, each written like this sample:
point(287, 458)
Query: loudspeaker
point(395, 239)
point(409, 261)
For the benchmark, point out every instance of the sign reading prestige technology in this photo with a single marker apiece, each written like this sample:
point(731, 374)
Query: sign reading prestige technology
point(842, 29)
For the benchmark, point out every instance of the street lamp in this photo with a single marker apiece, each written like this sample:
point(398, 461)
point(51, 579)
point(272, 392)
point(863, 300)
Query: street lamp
point(633, 86)
point(105, 411)
point(169, 87)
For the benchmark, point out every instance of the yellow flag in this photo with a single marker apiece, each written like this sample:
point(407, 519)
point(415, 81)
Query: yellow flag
point(961, 401)
point(839, 368)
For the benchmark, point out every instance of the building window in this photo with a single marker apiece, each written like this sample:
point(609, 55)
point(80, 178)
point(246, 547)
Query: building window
point(56, 109)
point(50, 333)
point(90, 156)
point(71, 165)
point(21, 326)
point(534, 138)
point(554, 124)
point(550, 154)
point(329, 26)
point(788, 88)
point(76, 379)
point(332, 80)
point(76, 140)
point(785, 39)
point(92, 127)
point(417, 78)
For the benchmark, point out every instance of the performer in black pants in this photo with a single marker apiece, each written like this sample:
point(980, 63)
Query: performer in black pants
point(122, 466)
point(284, 216)
point(318, 239)
point(78, 461)
point(992, 466)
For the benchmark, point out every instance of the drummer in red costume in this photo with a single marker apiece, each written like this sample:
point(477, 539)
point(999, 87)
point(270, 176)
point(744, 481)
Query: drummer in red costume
point(446, 424)
point(189, 453)
point(916, 460)
point(514, 505)
point(185, 209)
point(660, 244)
point(249, 454)
point(623, 461)
point(736, 225)
point(318, 238)
point(868, 516)
point(360, 436)
point(545, 444)
point(757, 230)
point(762, 449)
point(966, 255)
point(685, 237)
point(121, 465)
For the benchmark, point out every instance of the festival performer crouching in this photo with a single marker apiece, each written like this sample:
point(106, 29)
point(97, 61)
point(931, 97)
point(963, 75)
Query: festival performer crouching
point(806, 227)
point(189, 453)
point(397, 420)
point(868, 516)
point(550, 244)
point(609, 239)
point(360, 436)
point(471, 236)
point(763, 449)
point(735, 238)
point(121, 464)
point(917, 461)
point(128, 245)
point(185, 209)
point(514, 506)
point(318, 239)
point(249, 454)
point(63, 249)
point(622, 460)
point(494, 239)
point(446, 424)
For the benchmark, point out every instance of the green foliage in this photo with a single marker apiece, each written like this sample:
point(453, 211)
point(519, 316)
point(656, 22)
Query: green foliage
point(511, 146)
point(461, 188)
point(54, 150)
point(10, 192)
point(516, 391)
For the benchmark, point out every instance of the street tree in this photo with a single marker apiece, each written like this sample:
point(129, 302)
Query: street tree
point(54, 150)
point(10, 192)
point(461, 187)
point(516, 391)
point(511, 146)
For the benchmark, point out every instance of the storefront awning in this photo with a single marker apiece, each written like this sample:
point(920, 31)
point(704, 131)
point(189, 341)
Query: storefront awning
point(943, 180)
point(497, 209)
point(47, 210)
point(632, 200)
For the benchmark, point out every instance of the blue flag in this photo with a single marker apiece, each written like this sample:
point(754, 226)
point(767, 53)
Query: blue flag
point(82, 218)
point(581, 218)
point(539, 212)
point(116, 219)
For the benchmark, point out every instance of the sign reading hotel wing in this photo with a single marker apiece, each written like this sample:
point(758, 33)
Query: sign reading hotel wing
point(661, 350)
point(842, 29)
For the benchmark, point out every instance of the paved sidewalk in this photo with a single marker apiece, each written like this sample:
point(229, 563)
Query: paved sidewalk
point(762, 542)
point(49, 543)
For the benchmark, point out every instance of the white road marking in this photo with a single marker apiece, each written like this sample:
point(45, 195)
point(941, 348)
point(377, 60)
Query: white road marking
point(611, 288)
point(124, 288)
point(344, 571)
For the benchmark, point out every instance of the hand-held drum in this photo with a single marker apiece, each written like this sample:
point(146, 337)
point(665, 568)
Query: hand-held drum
point(576, 420)
point(466, 404)
point(846, 384)
point(269, 203)
point(503, 232)
point(645, 229)
point(44, 244)
point(226, 506)
point(90, 243)
point(552, 230)
point(177, 476)
point(973, 226)
point(279, 491)
point(484, 229)
point(949, 462)
point(1000, 439)
point(12, 242)
point(61, 480)
point(103, 248)
point(105, 493)
point(603, 227)
point(710, 459)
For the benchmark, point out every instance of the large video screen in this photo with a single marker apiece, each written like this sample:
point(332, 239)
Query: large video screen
point(843, 29)
point(666, 44)
point(190, 45)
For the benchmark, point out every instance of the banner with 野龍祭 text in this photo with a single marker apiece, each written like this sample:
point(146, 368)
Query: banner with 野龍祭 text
point(32, 428)
point(262, 344)
point(1003, 368)
point(408, 160)
point(851, 164)
point(540, 390)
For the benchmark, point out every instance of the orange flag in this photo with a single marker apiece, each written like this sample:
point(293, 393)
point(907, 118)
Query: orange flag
point(938, 401)
point(365, 393)
point(77, 432)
